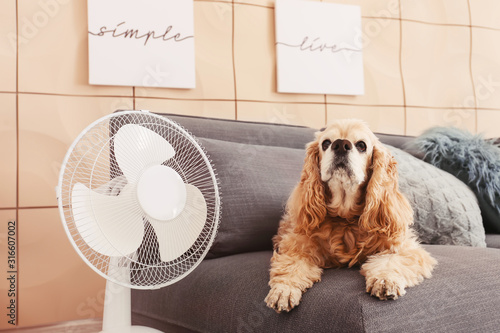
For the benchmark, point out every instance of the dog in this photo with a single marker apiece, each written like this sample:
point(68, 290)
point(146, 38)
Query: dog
point(346, 210)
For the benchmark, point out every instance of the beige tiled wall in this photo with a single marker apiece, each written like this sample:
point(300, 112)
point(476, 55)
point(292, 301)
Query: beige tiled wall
point(426, 62)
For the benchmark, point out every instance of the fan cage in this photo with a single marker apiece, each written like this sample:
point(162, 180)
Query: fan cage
point(90, 161)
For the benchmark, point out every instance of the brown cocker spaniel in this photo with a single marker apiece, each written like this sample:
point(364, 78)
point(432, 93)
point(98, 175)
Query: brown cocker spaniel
point(347, 210)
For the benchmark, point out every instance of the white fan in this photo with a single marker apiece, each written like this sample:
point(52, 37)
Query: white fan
point(139, 200)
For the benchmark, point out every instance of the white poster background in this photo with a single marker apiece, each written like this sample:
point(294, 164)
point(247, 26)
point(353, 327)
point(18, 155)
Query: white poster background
point(318, 48)
point(146, 43)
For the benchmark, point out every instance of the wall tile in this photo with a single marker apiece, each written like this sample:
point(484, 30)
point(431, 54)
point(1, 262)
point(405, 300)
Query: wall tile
point(436, 70)
point(214, 109)
point(420, 119)
point(53, 49)
point(441, 12)
point(214, 57)
point(381, 65)
point(55, 284)
point(311, 115)
point(8, 150)
point(48, 125)
point(487, 123)
point(388, 120)
point(255, 57)
point(8, 45)
point(485, 13)
point(486, 67)
point(5, 216)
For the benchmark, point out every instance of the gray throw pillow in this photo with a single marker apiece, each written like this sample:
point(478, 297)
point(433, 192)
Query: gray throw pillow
point(446, 211)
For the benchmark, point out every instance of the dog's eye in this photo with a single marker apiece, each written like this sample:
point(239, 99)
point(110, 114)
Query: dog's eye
point(361, 146)
point(326, 144)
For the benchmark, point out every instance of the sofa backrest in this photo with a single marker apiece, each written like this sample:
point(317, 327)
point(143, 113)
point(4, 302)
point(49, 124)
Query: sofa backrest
point(257, 133)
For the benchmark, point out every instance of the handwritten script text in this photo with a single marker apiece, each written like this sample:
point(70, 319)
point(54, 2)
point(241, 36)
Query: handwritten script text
point(317, 45)
point(121, 31)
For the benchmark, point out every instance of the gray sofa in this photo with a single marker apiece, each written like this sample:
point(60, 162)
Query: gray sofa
point(258, 165)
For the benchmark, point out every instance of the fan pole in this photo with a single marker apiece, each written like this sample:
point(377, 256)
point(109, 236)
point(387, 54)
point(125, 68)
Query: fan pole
point(117, 308)
point(117, 316)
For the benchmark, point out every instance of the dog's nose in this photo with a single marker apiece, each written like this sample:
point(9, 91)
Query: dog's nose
point(341, 146)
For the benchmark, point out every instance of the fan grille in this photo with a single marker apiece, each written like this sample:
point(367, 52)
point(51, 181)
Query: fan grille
point(91, 161)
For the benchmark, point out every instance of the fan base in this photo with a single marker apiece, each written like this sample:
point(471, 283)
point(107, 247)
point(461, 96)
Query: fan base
point(117, 315)
point(132, 329)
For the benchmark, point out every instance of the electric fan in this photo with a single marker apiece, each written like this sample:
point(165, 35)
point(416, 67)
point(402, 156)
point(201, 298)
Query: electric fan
point(139, 201)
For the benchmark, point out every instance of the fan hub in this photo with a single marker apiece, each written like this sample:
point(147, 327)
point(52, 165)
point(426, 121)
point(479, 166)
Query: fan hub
point(161, 193)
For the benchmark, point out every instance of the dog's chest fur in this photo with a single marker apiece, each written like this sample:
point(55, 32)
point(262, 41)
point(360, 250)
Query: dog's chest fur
point(343, 243)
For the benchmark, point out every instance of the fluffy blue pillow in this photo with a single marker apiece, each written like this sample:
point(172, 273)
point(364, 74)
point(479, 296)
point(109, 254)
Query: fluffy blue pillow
point(470, 158)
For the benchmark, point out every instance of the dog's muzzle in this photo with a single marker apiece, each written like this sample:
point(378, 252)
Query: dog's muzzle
point(341, 149)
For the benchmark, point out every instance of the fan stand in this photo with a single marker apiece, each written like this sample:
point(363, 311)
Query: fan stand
point(117, 316)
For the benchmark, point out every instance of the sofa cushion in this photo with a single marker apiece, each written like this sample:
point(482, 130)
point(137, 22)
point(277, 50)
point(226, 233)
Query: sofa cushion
point(445, 209)
point(470, 158)
point(255, 182)
point(227, 295)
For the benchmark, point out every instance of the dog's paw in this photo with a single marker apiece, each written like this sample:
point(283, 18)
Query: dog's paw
point(283, 297)
point(384, 289)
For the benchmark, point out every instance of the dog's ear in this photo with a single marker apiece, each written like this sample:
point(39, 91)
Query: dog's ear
point(307, 203)
point(386, 209)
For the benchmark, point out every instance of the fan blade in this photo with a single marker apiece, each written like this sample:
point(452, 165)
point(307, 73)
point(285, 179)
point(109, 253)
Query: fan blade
point(176, 236)
point(110, 225)
point(137, 147)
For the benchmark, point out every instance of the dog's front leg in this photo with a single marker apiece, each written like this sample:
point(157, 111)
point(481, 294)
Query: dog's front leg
point(291, 275)
point(389, 273)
